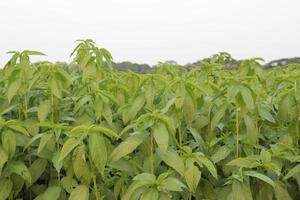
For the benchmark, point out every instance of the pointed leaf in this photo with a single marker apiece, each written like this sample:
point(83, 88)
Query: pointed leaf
point(218, 116)
point(150, 194)
point(43, 110)
point(3, 157)
point(161, 136)
point(13, 88)
point(97, 150)
point(128, 146)
point(5, 189)
point(260, 176)
point(37, 168)
point(171, 158)
point(281, 192)
point(81, 192)
point(9, 142)
point(247, 97)
point(69, 145)
point(20, 169)
point(52, 193)
point(295, 170)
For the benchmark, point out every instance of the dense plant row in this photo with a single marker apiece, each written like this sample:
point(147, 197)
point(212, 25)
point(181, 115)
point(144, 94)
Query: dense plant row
point(84, 131)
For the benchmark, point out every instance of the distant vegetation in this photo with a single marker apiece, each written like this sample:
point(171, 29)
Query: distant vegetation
point(228, 62)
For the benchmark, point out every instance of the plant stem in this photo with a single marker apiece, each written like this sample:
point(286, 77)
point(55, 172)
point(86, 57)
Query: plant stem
point(52, 107)
point(180, 135)
point(25, 106)
point(297, 124)
point(237, 125)
point(151, 157)
point(53, 110)
point(96, 188)
point(28, 150)
point(209, 131)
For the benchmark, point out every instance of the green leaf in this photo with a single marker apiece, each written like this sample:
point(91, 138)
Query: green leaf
point(197, 137)
point(285, 108)
point(180, 92)
point(33, 139)
point(57, 164)
point(107, 113)
point(189, 107)
point(171, 158)
point(128, 146)
point(44, 140)
point(295, 170)
point(281, 192)
point(202, 159)
point(82, 101)
point(172, 184)
point(164, 196)
point(81, 192)
point(161, 136)
point(6, 188)
point(69, 145)
point(68, 183)
point(260, 176)
point(52, 193)
point(34, 53)
point(55, 88)
point(192, 175)
point(106, 131)
point(132, 189)
point(136, 105)
point(118, 186)
point(80, 166)
point(98, 107)
point(247, 97)
point(150, 194)
point(264, 112)
point(97, 151)
point(265, 192)
point(3, 157)
point(252, 131)
point(37, 168)
point(9, 142)
point(242, 162)
point(145, 177)
point(221, 153)
point(18, 127)
point(265, 156)
point(64, 76)
point(150, 94)
point(241, 191)
point(20, 169)
point(209, 190)
point(13, 88)
point(7, 109)
point(217, 117)
point(43, 110)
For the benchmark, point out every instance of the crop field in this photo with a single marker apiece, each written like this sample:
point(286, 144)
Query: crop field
point(85, 130)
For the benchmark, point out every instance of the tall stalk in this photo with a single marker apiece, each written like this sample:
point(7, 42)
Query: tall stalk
point(96, 188)
point(151, 155)
point(180, 135)
point(237, 127)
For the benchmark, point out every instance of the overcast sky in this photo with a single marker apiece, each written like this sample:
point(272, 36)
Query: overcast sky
point(148, 31)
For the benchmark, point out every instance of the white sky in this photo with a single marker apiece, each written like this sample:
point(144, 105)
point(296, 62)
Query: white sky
point(147, 31)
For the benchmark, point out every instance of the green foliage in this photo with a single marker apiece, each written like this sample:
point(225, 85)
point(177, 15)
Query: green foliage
point(85, 130)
